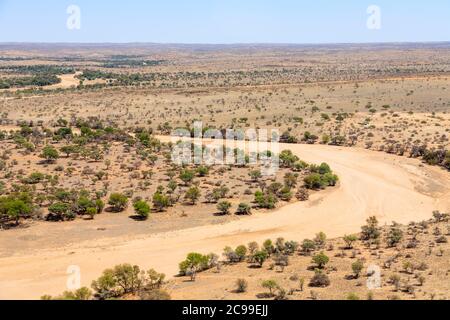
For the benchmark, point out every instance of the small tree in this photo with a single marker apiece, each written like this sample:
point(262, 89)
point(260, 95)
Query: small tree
point(142, 209)
point(118, 202)
point(14, 209)
point(231, 255)
point(285, 194)
point(187, 176)
point(224, 207)
point(394, 237)
point(120, 280)
point(154, 279)
point(266, 201)
point(260, 257)
point(91, 212)
point(194, 263)
point(268, 246)
point(241, 285)
point(313, 181)
point(255, 175)
point(308, 246)
point(253, 247)
point(320, 260)
point(319, 280)
point(193, 194)
point(160, 201)
point(320, 239)
point(128, 278)
point(244, 209)
point(100, 205)
point(59, 211)
point(371, 230)
point(241, 252)
point(106, 285)
point(271, 285)
point(49, 153)
point(202, 171)
point(68, 150)
point(357, 267)
point(350, 240)
point(290, 180)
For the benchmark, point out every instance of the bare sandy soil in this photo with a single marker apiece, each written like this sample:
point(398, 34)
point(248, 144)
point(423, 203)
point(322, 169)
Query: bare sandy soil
point(390, 187)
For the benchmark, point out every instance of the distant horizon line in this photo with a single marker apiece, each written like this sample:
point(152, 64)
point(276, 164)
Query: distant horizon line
point(219, 44)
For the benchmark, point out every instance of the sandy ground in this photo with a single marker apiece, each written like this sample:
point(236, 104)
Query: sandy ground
point(392, 188)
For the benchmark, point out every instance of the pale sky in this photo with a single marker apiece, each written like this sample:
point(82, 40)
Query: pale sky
point(224, 21)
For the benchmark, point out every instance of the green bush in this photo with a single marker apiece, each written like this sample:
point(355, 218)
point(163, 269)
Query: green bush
point(265, 201)
point(357, 268)
point(60, 211)
point(371, 231)
point(118, 202)
point(12, 208)
point(241, 285)
point(120, 280)
point(49, 153)
point(187, 176)
point(224, 207)
point(194, 263)
point(142, 209)
point(192, 194)
point(314, 181)
point(260, 257)
point(394, 236)
point(244, 209)
point(320, 260)
point(319, 280)
point(271, 285)
point(160, 201)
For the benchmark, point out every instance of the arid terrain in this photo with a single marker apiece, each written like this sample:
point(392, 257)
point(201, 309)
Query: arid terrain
point(87, 178)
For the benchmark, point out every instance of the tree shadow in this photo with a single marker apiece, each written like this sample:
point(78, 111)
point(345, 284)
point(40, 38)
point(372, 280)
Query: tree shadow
point(138, 218)
point(265, 295)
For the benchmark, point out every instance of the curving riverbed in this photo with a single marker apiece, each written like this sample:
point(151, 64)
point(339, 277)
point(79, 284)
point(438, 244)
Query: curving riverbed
point(371, 183)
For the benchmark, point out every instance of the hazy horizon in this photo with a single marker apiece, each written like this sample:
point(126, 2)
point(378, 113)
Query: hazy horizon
point(226, 44)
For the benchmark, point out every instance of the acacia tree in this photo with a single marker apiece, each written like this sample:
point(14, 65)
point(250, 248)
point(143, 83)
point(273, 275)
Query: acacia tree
point(271, 285)
point(244, 209)
point(14, 209)
point(122, 279)
point(49, 153)
point(224, 207)
point(194, 263)
point(187, 176)
point(160, 201)
point(255, 175)
point(118, 202)
point(357, 267)
point(371, 231)
point(320, 260)
point(260, 257)
point(193, 194)
point(59, 211)
point(349, 240)
point(142, 209)
point(394, 237)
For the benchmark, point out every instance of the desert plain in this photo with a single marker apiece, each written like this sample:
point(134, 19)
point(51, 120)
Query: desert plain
point(87, 180)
